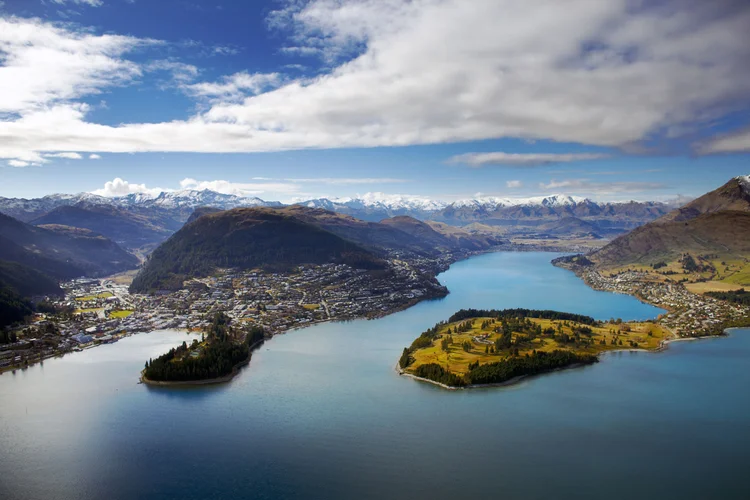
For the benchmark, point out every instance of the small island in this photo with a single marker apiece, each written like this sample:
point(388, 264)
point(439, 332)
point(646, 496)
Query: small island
point(499, 347)
point(223, 349)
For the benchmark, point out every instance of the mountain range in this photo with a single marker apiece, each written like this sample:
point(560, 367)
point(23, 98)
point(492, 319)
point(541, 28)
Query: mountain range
point(139, 222)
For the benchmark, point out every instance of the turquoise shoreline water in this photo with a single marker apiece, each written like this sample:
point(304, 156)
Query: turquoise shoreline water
point(320, 413)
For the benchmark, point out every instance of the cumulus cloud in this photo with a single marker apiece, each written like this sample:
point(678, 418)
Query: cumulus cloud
point(120, 187)
point(584, 186)
point(522, 159)
point(514, 184)
point(404, 72)
point(18, 163)
point(95, 157)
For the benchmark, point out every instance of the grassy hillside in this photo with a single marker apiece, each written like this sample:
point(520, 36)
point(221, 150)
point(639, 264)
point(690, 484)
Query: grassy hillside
point(245, 238)
point(715, 226)
point(724, 233)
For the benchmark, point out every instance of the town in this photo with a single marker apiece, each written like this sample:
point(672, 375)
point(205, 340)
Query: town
point(95, 312)
point(100, 311)
point(688, 314)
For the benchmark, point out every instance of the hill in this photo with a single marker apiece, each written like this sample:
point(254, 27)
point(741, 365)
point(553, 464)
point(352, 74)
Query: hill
point(128, 229)
point(732, 196)
point(201, 211)
point(570, 227)
point(717, 223)
point(441, 236)
point(61, 252)
point(246, 238)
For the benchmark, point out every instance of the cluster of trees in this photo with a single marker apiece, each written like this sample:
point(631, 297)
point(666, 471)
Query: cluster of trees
point(464, 327)
point(7, 337)
point(464, 314)
point(501, 371)
point(434, 371)
point(13, 309)
point(446, 342)
point(516, 366)
point(690, 265)
point(738, 296)
point(218, 358)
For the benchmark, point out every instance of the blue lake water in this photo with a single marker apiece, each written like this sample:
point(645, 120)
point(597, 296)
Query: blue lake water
point(320, 413)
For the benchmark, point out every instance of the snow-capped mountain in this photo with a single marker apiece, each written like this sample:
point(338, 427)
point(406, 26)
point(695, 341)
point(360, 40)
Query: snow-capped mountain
point(189, 198)
point(178, 205)
point(182, 201)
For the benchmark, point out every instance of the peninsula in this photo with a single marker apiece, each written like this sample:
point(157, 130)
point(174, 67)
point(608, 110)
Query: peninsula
point(493, 347)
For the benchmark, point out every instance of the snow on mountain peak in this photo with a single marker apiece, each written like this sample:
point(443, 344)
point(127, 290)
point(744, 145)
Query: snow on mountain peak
point(744, 182)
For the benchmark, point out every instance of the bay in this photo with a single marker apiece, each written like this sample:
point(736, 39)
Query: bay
point(321, 413)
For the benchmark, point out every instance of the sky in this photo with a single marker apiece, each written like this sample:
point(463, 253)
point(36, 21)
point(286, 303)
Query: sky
point(446, 99)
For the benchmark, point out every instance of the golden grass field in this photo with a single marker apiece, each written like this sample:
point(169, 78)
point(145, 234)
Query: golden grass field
point(120, 314)
point(457, 360)
point(103, 295)
point(731, 273)
point(124, 278)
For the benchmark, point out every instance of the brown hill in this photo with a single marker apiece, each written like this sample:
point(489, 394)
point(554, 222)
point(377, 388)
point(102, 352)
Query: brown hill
point(734, 195)
point(717, 222)
point(246, 238)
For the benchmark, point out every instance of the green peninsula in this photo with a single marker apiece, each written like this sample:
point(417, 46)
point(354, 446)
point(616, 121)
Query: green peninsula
point(483, 347)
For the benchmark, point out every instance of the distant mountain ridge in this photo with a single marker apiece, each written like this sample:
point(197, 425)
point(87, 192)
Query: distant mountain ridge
point(370, 207)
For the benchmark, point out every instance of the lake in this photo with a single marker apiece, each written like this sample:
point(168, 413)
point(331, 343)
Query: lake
point(321, 413)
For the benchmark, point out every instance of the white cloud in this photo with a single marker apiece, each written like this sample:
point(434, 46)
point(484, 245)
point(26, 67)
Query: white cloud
point(92, 3)
point(120, 187)
point(736, 142)
point(234, 87)
point(418, 72)
point(522, 159)
point(514, 184)
point(67, 156)
point(181, 72)
point(18, 163)
point(584, 186)
point(240, 188)
point(44, 64)
point(95, 157)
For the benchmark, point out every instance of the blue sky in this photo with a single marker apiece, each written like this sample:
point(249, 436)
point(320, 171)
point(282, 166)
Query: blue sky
point(438, 98)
